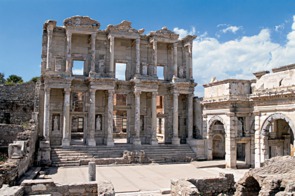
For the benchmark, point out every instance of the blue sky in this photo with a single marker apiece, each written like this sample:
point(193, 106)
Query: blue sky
point(235, 37)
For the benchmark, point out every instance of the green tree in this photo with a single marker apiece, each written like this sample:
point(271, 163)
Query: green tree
point(34, 79)
point(2, 79)
point(14, 79)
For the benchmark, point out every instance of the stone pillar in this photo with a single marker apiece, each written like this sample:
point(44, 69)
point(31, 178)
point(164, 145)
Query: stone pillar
point(190, 62)
point(91, 119)
point(257, 150)
point(230, 142)
point(112, 53)
point(137, 70)
point(110, 140)
point(93, 38)
point(175, 139)
point(190, 116)
point(287, 144)
point(136, 140)
point(155, 57)
point(69, 56)
point(66, 118)
point(92, 171)
point(175, 59)
point(46, 113)
point(154, 140)
point(49, 46)
point(209, 146)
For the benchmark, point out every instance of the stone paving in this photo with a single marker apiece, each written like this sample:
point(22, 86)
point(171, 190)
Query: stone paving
point(146, 179)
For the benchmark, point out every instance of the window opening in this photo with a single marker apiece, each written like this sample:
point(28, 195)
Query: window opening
point(120, 71)
point(160, 72)
point(78, 67)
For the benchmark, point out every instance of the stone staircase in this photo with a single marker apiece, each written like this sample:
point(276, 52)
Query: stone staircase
point(80, 155)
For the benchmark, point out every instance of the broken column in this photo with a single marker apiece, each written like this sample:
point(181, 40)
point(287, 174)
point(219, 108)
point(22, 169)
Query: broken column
point(92, 171)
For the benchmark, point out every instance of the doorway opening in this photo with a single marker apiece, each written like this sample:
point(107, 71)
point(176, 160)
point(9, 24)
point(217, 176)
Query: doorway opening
point(120, 119)
point(218, 140)
point(77, 132)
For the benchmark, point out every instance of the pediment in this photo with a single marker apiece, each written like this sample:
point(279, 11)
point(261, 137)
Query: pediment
point(123, 27)
point(81, 22)
point(165, 33)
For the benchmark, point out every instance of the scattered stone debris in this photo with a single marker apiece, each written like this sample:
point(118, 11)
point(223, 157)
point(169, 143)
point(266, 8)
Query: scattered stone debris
point(276, 177)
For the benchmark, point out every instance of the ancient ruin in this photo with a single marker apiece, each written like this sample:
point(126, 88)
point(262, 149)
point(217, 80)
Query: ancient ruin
point(119, 96)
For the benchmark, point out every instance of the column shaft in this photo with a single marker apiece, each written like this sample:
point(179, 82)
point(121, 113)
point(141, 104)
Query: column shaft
point(190, 116)
point(49, 46)
point(155, 57)
point(69, 57)
point(137, 71)
point(110, 140)
point(91, 119)
point(93, 38)
point(66, 118)
point(46, 113)
point(137, 140)
point(154, 140)
point(112, 50)
point(175, 59)
point(190, 62)
point(230, 143)
point(175, 139)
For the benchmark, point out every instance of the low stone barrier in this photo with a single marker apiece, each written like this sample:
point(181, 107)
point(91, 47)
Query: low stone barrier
point(207, 186)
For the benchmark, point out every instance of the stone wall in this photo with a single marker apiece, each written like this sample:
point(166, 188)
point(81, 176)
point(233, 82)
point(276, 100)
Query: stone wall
point(9, 133)
point(208, 186)
point(21, 155)
point(17, 103)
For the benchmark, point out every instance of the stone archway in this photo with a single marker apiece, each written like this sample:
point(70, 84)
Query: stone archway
point(216, 138)
point(251, 187)
point(276, 136)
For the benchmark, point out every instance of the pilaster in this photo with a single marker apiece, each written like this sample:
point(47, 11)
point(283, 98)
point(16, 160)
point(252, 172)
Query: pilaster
point(50, 28)
point(46, 113)
point(230, 143)
point(190, 116)
point(175, 139)
point(110, 140)
point(69, 56)
point(154, 140)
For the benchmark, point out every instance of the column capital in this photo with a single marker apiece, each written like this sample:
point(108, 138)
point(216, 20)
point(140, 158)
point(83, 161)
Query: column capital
point(111, 37)
point(175, 44)
point(47, 89)
point(176, 93)
point(69, 34)
point(154, 94)
point(137, 93)
point(67, 90)
point(92, 90)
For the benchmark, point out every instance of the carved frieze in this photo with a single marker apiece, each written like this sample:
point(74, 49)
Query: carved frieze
point(81, 22)
point(123, 27)
point(165, 33)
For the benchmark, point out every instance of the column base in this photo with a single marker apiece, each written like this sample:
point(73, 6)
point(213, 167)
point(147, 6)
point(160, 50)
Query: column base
point(175, 141)
point(110, 142)
point(91, 142)
point(137, 141)
point(65, 142)
point(154, 142)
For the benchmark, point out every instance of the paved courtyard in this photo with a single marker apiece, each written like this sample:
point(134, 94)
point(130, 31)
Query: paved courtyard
point(142, 178)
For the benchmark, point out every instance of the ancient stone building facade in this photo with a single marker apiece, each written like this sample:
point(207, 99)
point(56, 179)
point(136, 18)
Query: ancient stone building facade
point(128, 82)
point(250, 120)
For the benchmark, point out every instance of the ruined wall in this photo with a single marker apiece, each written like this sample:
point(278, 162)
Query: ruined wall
point(208, 186)
point(17, 103)
point(9, 133)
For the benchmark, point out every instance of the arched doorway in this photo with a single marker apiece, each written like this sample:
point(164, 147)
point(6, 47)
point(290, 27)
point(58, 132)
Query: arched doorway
point(251, 187)
point(277, 136)
point(216, 140)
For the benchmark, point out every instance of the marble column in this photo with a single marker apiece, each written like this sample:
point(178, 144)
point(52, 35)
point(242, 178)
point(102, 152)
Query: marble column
point(190, 116)
point(137, 70)
point(110, 140)
point(175, 139)
point(154, 140)
point(155, 57)
point(49, 46)
point(46, 113)
point(91, 119)
point(230, 142)
point(175, 59)
point(69, 56)
point(112, 55)
point(66, 118)
point(190, 60)
point(93, 38)
point(136, 140)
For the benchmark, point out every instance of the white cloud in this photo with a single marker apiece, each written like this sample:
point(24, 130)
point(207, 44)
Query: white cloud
point(239, 58)
point(280, 27)
point(78, 71)
point(182, 32)
point(232, 29)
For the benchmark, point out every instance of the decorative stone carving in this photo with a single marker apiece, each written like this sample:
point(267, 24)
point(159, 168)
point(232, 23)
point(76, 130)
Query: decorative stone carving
point(82, 22)
point(98, 123)
point(165, 33)
point(124, 26)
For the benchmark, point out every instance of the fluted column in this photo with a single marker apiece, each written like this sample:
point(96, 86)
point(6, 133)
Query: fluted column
point(91, 119)
point(112, 53)
point(175, 59)
point(137, 70)
point(69, 57)
point(46, 113)
point(190, 116)
point(110, 140)
point(66, 118)
point(175, 139)
point(93, 38)
point(154, 140)
point(155, 57)
point(49, 46)
point(137, 140)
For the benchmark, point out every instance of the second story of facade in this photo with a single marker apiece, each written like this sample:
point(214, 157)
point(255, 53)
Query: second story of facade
point(79, 49)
